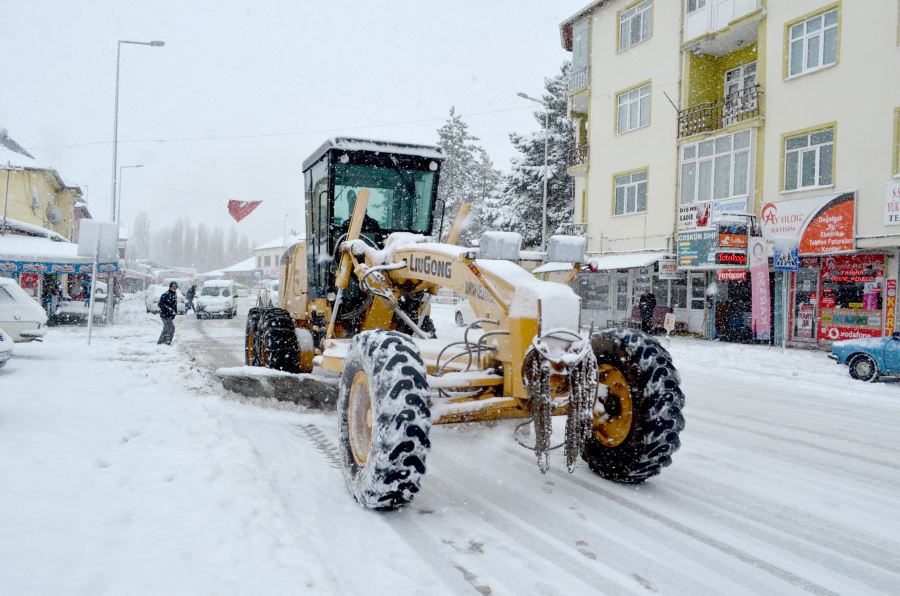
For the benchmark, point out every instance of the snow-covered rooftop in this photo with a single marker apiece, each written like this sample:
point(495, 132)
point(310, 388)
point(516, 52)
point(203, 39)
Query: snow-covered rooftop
point(31, 229)
point(17, 247)
point(351, 144)
point(625, 261)
point(279, 242)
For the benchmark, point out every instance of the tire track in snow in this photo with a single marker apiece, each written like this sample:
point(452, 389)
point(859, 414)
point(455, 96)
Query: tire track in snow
point(727, 549)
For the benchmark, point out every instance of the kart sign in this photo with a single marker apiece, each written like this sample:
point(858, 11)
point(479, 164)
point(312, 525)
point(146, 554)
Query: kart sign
point(819, 225)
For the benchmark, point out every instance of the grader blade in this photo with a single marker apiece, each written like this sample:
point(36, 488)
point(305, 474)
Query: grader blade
point(317, 390)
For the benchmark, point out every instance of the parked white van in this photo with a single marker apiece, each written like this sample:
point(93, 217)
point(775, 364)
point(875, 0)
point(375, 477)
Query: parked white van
point(20, 316)
point(216, 299)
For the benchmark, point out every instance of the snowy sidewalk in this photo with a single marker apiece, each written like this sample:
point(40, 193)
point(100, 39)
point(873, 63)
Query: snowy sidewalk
point(119, 476)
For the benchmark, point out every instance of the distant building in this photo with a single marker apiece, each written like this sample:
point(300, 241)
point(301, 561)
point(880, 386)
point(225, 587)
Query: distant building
point(37, 195)
point(268, 255)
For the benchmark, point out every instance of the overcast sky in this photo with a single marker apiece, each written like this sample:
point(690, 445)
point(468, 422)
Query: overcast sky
point(289, 73)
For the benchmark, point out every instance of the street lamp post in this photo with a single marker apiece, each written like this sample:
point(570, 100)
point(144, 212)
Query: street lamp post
point(546, 168)
point(110, 290)
point(118, 211)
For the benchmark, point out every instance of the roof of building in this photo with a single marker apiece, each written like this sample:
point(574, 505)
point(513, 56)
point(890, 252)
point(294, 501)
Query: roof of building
point(625, 261)
point(565, 28)
point(279, 242)
point(351, 144)
point(31, 229)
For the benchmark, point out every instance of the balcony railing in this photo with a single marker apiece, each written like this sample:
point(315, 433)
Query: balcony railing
point(578, 156)
point(725, 111)
point(578, 79)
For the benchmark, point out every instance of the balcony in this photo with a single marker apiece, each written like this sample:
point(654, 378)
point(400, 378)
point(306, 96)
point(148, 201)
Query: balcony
point(578, 156)
point(717, 25)
point(713, 115)
point(578, 78)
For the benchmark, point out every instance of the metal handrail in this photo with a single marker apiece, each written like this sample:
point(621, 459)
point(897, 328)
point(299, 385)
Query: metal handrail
point(719, 113)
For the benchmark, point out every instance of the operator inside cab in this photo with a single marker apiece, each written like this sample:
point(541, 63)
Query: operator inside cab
point(370, 224)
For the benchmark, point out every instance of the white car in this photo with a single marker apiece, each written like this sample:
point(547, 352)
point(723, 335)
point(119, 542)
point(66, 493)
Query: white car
point(6, 347)
point(152, 295)
point(216, 299)
point(463, 313)
point(21, 317)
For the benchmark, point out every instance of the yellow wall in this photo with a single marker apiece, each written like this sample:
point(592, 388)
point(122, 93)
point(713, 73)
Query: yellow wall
point(705, 74)
point(44, 184)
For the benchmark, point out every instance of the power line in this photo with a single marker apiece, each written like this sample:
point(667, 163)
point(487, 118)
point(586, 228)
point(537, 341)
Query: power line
point(280, 134)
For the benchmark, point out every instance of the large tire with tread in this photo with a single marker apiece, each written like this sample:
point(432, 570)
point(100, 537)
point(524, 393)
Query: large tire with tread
point(276, 341)
point(251, 357)
point(863, 368)
point(643, 403)
point(383, 419)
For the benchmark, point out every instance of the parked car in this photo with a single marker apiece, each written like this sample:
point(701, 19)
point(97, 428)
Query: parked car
point(76, 311)
point(151, 298)
point(21, 317)
point(870, 358)
point(241, 291)
point(463, 313)
point(6, 348)
point(216, 299)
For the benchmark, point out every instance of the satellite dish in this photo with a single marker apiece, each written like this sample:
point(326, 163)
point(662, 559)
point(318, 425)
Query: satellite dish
point(54, 215)
point(35, 202)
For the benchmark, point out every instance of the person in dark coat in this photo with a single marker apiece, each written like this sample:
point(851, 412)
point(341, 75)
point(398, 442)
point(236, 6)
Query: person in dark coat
point(189, 297)
point(168, 307)
point(646, 305)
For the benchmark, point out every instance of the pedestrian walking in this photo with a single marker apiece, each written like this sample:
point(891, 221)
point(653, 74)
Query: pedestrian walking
point(189, 297)
point(168, 307)
point(646, 305)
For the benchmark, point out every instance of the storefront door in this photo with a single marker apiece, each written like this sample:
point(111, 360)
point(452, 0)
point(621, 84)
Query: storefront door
point(806, 311)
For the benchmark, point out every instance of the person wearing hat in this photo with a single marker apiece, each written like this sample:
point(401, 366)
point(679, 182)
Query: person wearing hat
point(168, 307)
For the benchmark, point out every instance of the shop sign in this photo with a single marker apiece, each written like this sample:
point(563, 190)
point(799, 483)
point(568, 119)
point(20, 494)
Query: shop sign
point(892, 203)
point(732, 236)
point(731, 258)
point(850, 301)
point(668, 269)
point(806, 316)
point(24, 267)
point(731, 275)
point(694, 216)
point(819, 225)
point(697, 249)
point(809, 262)
point(785, 257)
point(761, 310)
point(890, 314)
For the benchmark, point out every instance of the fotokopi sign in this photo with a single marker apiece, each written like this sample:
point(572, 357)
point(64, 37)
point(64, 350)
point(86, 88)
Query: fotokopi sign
point(819, 225)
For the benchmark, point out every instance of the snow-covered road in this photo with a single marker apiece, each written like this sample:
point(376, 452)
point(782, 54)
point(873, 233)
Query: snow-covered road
point(126, 470)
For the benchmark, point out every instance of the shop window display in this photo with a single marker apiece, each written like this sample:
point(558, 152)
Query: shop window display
point(851, 297)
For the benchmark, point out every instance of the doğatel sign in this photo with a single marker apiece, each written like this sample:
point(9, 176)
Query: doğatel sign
point(819, 225)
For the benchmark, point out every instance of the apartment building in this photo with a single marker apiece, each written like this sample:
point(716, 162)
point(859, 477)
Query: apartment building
point(625, 69)
point(787, 124)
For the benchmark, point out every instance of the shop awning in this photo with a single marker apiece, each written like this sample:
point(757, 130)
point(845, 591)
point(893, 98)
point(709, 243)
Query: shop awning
point(553, 267)
point(625, 261)
point(32, 254)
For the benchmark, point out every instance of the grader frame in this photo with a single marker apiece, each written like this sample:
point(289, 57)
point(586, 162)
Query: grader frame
point(529, 359)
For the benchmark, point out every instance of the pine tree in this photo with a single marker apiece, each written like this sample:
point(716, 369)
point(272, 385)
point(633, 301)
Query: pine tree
point(521, 205)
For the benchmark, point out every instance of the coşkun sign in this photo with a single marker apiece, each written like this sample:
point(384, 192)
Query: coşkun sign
point(820, 225)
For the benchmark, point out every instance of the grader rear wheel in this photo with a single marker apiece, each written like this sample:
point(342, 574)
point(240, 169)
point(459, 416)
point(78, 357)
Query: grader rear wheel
point(636, 424)
point(383, 420)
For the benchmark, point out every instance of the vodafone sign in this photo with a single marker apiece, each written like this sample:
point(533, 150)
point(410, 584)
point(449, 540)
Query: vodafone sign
point(820, 225)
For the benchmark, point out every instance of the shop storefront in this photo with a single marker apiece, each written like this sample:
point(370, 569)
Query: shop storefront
point(835, 291)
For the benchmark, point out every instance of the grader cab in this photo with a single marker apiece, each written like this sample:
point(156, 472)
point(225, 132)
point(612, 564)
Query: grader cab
point(355, 303)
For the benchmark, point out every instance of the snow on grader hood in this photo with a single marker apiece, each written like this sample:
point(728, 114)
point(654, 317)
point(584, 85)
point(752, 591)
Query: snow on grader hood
point(354, 330)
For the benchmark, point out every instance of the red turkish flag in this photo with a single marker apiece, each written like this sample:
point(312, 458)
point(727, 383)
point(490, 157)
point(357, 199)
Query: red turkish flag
point(241, 209)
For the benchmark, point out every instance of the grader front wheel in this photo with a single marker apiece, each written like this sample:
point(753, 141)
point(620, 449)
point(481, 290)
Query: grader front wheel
point(637, 422)
point(383, 419)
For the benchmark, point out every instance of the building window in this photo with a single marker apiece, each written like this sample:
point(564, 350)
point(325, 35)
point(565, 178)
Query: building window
point(716, 169)
point(813, 43)
point(695, 5)
point(631, 193)
point(809, 160)
point(579, 77)
point(635, 24)
point(633, 109)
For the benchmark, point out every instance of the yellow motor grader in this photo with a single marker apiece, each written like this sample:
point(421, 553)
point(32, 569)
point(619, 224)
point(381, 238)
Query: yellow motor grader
point(355, 300)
